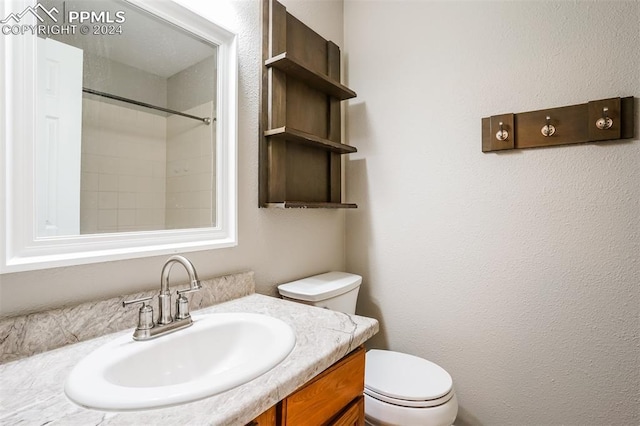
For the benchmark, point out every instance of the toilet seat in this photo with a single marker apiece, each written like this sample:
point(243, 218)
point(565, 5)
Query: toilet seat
point(406, 380)
point(409, 403)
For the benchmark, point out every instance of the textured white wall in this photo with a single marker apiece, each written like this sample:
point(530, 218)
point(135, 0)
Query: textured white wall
point(516, 272)
point(278, 245)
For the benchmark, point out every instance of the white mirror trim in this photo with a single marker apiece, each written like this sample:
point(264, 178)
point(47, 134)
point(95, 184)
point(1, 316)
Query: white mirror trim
point(20, 250)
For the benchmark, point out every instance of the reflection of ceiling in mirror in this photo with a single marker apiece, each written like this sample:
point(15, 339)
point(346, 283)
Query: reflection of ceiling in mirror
point(145, 42)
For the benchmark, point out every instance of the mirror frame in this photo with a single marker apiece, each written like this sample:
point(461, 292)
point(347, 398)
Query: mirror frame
point(20, 248)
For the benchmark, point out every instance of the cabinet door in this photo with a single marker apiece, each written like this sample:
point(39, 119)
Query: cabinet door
point(353, 415)
point(322, 399)
point(268, 418)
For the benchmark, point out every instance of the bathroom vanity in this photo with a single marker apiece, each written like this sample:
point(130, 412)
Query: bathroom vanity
point(320, 380)
point(333, 397)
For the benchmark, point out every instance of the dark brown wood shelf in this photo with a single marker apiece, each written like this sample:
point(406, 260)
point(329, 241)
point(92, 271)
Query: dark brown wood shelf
point(300, 131)
point(299, 136)
point(308, 205)
point(290, 66)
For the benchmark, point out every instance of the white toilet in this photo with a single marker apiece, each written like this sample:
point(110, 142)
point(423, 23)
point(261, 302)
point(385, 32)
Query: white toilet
point(399, 389)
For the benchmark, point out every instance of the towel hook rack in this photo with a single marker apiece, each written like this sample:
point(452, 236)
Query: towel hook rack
point(594, 121)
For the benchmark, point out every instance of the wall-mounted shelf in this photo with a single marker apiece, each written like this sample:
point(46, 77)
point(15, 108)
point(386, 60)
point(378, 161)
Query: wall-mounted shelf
point(305, 205)
point(300, 127)
point(601, 120)
point(294, 68)
point(294, 135)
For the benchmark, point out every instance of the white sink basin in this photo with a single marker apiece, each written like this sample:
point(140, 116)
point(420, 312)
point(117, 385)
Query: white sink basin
point(218, 352)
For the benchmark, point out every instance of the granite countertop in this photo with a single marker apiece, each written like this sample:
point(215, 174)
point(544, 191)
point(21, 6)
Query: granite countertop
point(31, 389)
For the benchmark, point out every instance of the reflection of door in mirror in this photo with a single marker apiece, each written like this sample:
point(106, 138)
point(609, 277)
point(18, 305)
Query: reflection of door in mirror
point(58, 148)
point(147, 128)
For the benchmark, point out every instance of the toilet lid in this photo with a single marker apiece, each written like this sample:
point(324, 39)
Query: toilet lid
point(405, 377)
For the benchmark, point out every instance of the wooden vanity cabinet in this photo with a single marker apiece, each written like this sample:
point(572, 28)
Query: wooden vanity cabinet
point(334, 398)
point(328, 398)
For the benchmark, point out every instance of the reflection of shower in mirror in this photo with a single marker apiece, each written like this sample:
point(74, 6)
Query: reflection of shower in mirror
point(130, 143)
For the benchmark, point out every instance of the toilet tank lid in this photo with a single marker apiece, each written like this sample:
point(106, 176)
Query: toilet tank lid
point(320, 287)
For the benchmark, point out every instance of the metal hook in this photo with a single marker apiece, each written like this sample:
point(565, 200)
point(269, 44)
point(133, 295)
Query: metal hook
point(502, 134)
point(604, 122)
point(548, 129)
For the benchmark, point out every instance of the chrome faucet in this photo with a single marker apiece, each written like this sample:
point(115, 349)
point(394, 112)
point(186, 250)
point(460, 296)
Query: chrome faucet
point(164, 299)
point(166, 323)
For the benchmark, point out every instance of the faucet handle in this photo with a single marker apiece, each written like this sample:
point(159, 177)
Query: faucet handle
point(188, 290)
point(182, 303)
point(142, 300)
point(145, 314)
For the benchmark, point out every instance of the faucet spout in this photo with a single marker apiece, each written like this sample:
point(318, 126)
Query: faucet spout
point(164, 299)
point(191, 271)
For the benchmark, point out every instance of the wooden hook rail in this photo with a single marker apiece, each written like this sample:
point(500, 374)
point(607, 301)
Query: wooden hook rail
point(605, 119)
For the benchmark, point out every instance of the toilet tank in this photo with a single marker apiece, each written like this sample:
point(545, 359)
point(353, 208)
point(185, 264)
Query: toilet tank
point(337, 291)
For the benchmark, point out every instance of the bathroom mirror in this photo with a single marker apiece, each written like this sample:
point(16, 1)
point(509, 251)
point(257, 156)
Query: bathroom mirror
point(120, 133)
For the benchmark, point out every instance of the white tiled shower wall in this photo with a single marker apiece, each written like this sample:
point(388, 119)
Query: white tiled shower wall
point(142, 171)
point(190, 163)
point(123, 169)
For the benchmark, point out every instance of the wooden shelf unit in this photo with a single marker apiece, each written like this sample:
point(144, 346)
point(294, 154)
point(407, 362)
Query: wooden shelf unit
point(300, 118)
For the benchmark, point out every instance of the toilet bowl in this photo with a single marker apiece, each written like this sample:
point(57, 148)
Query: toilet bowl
point(400, 389)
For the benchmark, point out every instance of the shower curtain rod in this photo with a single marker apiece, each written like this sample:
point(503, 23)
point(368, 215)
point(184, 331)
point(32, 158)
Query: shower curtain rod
point(205, 120)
